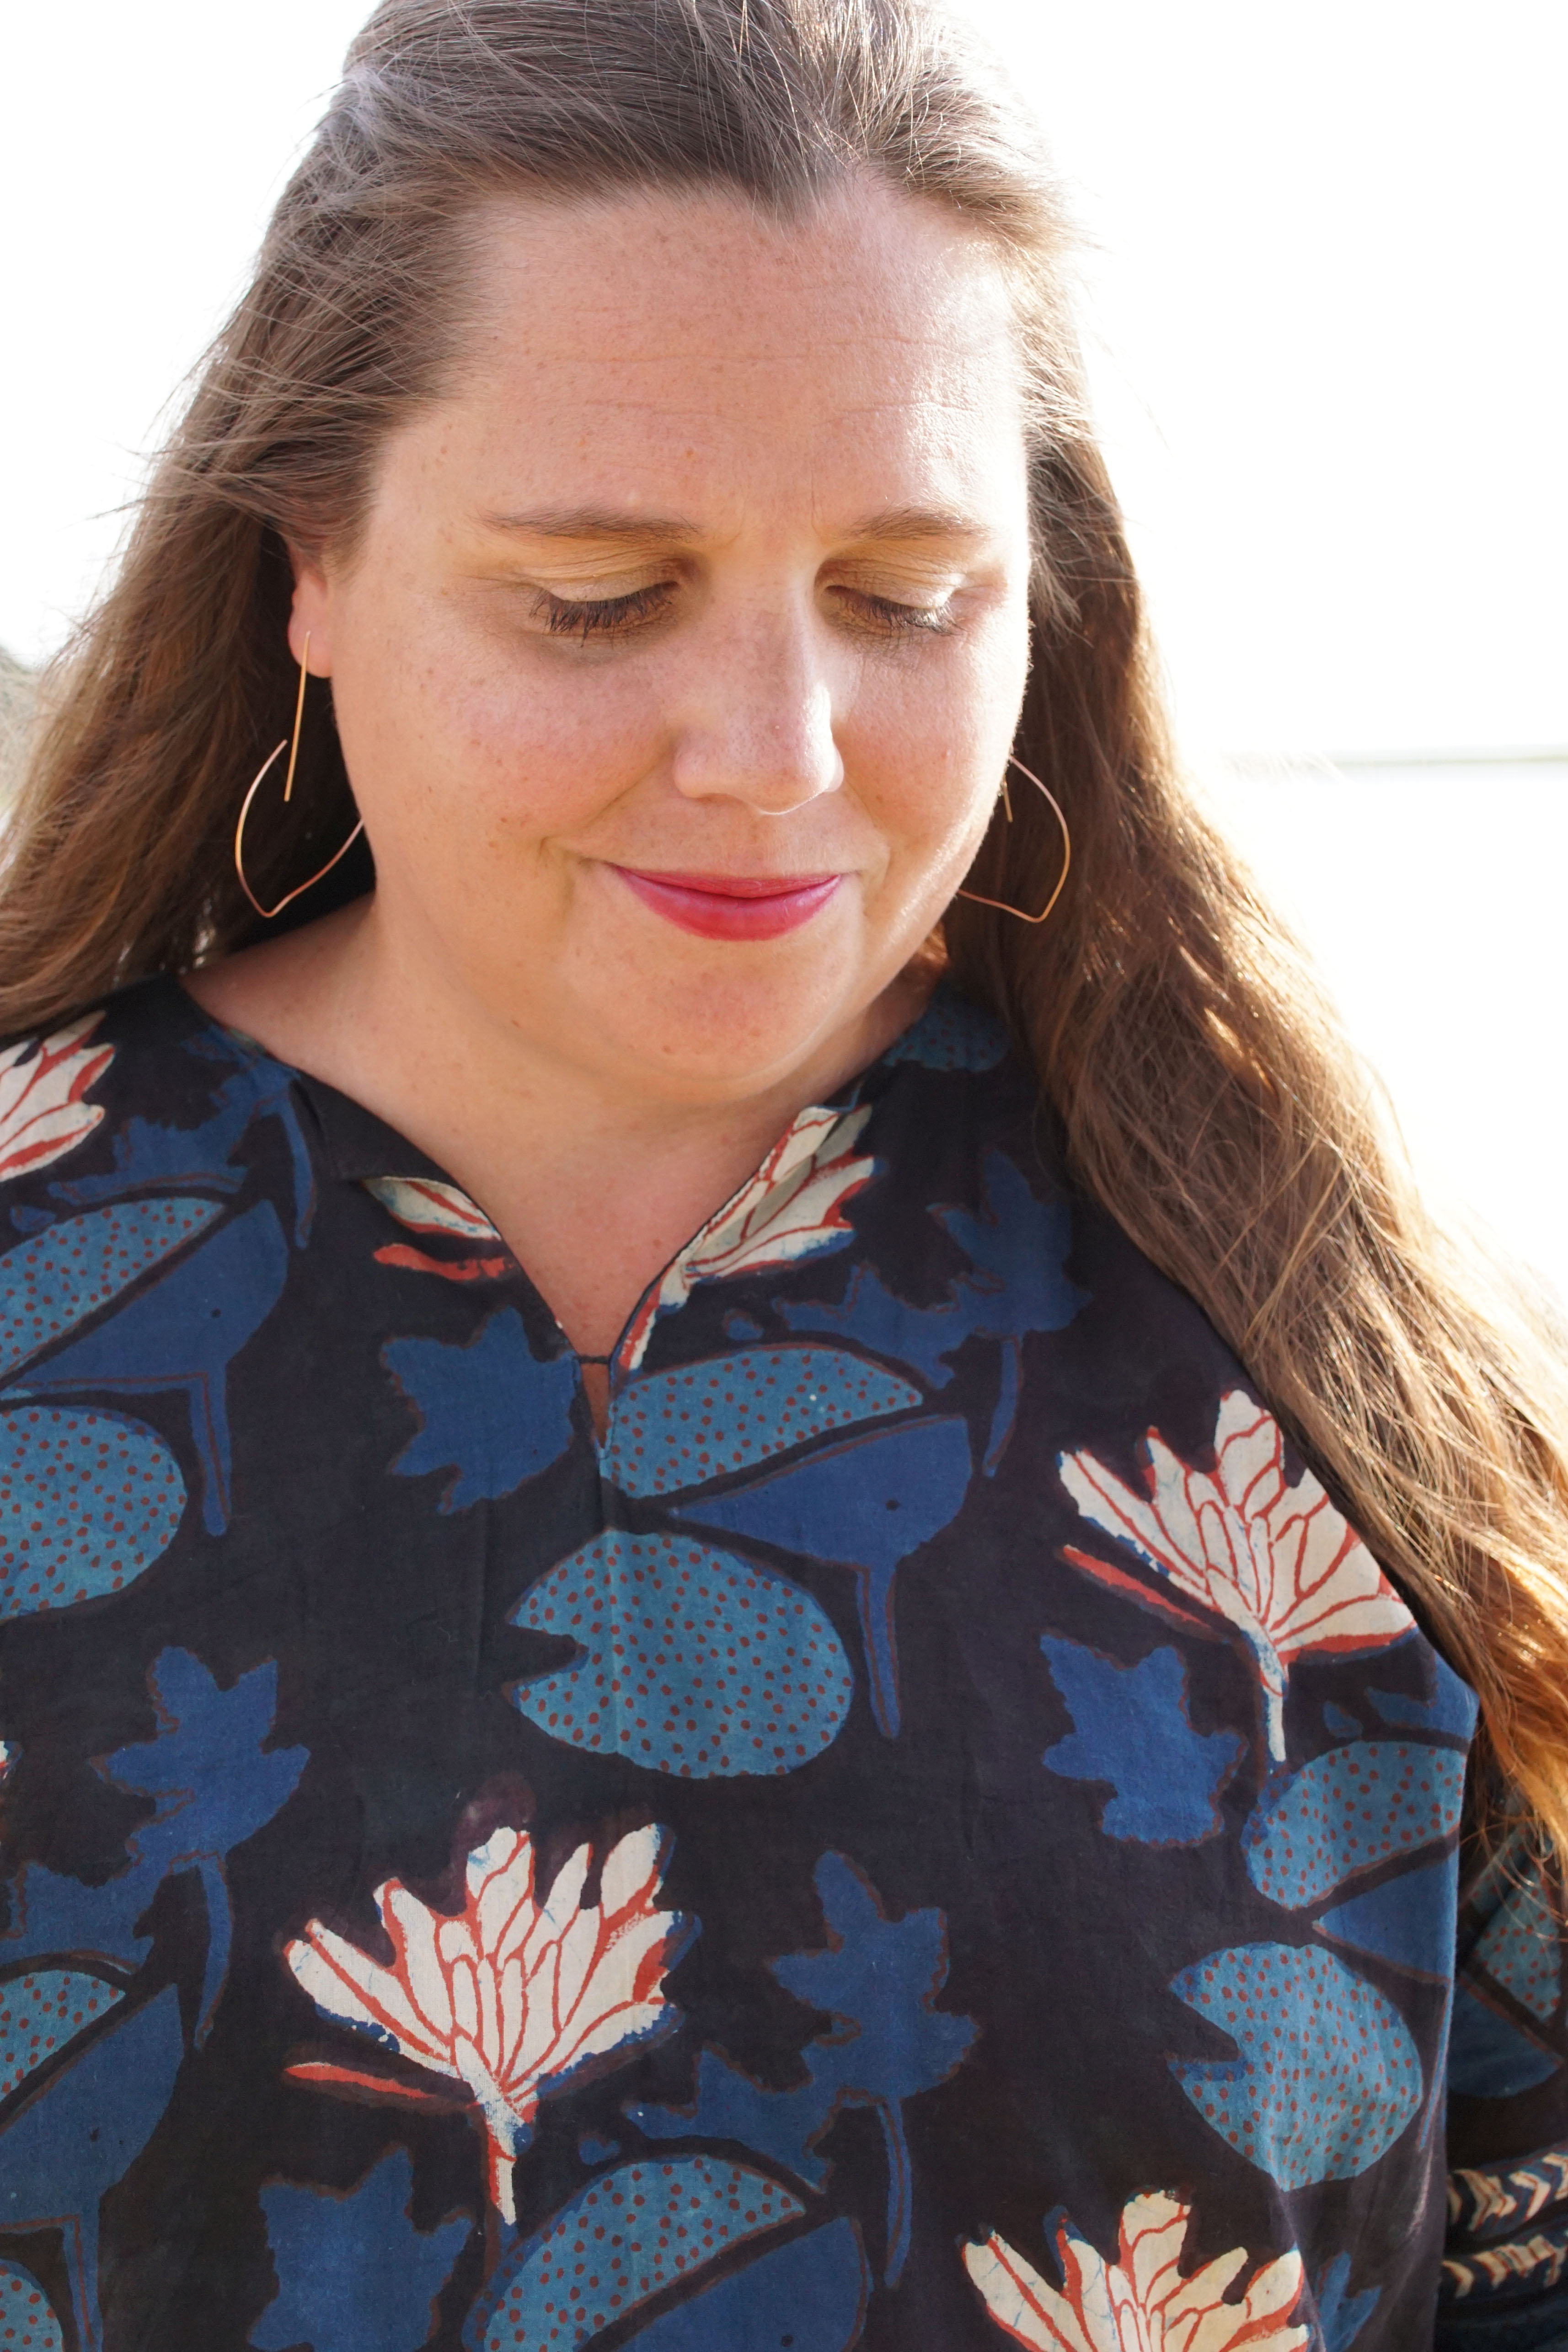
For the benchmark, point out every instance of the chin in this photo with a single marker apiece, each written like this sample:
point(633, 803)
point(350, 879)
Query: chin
point(725, 1032)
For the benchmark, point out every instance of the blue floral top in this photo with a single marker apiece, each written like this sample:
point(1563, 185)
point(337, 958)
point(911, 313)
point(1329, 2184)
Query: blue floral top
point(935, 1831)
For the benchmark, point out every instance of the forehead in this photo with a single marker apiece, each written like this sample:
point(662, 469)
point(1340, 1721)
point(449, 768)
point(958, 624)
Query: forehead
point(865, 349)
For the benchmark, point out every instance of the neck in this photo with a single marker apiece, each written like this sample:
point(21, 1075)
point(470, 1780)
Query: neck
point(595, 1179)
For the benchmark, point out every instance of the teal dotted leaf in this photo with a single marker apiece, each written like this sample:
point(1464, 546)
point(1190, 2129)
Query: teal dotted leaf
point(811, 2294)
point(1521, 1948)
point(52, 1283)
point(692, 1662)
point(682, 1428)
point(630, 2234)
point(1327, 2075)
point(39, 2014)
point(88, 1501)
point(28, 2324)
point(1348, 1812)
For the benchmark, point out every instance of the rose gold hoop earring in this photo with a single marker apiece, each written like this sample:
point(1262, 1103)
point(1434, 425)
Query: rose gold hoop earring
point(1000, 904)
point(290, 745)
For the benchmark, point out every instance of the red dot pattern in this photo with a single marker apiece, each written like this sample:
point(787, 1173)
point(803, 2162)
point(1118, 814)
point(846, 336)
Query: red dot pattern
point(1348, 1810)
point(695, 1662)
point(40, 2013)
point(1522, 1947)
point(54, 1281)
point(681, 1428)
point(27, 2322)
point(1328, 2076)
point(637, 2229)
point(87, 1501)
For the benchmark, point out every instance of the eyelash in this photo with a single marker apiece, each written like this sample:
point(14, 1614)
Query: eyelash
point(613, 617)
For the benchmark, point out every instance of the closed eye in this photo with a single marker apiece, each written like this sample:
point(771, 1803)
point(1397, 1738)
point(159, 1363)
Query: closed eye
point(885, 617)
point(603, 616)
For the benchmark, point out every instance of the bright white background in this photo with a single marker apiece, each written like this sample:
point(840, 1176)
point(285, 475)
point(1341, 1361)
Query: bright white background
point(1325, 302)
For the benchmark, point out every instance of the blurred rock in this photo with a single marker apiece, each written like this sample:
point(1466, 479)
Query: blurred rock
point(17, 692)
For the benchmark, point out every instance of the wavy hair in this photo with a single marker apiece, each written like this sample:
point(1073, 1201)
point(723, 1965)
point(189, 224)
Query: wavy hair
point(1207, 1098)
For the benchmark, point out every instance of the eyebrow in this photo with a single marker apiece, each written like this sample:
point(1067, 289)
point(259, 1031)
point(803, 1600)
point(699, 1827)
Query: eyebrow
point(893, 525)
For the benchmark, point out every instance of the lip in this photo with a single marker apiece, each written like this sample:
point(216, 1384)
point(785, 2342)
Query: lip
point(732, 905)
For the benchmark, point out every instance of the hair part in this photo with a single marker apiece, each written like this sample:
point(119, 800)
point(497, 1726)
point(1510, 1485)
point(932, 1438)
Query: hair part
point(1207, 1098)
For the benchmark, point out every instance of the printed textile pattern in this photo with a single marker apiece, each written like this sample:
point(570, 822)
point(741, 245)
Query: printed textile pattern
point(932, 1830)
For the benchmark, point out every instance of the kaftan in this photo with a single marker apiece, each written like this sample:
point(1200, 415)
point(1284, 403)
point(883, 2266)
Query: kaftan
point(934, 1829)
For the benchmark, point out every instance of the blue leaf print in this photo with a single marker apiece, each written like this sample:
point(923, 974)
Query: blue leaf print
point(1340, 2315)
point(1017, 1248)
point(491, 1411)
point(623, 2239)
point(213, 1782)
point(864, 1505)
point(692, 1662)
point(1452, 1707)
point(952, 1034)
point(1131, 1729)
point(52, 1283)
point(41, 2014)
point(1297, 2016)
point(704, 1420)
point(27, 2322)
point(1409, 1920)
point(82, 2135)
point(89, 1501)
point(1347, 1811)
point(148, 1153)
point(877, 1980)
point(354, 2272)
point(50, 1913)
point(811, 2294)
point(182, 1332)
point(877, 1319)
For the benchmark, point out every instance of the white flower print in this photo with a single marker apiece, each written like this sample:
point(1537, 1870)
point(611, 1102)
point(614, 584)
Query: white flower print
point(516, 1991)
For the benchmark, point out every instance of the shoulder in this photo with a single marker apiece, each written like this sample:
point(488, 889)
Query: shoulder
point(143, 1092)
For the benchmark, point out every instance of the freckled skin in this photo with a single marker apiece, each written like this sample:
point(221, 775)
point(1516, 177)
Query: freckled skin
point(783, 467)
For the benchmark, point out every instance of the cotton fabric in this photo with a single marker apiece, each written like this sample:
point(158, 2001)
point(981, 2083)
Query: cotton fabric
point(934, 1832)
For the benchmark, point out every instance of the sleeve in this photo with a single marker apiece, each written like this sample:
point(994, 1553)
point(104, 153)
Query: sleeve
point(1505, 2276)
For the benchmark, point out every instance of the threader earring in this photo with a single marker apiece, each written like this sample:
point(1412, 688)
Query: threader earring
point(290, 745)
point(1000, 904)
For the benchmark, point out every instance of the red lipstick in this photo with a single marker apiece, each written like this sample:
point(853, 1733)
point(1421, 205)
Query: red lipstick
point(732, 905)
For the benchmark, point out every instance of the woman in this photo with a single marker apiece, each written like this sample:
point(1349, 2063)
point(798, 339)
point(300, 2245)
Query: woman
point(686, 1658)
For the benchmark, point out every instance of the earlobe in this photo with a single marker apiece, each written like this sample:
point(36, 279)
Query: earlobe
point(311, 615)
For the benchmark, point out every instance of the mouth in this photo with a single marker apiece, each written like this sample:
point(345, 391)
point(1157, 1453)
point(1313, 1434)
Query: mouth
point(732, 905)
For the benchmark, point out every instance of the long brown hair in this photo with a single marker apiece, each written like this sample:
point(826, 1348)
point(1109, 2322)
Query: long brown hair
point(1207, 1098)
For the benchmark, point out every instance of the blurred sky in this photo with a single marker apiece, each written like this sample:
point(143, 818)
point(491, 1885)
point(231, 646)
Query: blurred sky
point(1325, 301)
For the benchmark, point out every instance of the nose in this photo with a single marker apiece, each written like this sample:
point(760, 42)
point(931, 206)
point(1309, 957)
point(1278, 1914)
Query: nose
point(757, 726)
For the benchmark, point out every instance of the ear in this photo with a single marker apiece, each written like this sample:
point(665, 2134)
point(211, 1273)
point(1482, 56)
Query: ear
point(311, 614)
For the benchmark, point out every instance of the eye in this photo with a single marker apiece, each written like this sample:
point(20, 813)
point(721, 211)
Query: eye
point(887, 616)
point(603, 616)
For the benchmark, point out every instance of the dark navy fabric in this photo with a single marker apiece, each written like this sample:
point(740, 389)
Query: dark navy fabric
point(935, 1831)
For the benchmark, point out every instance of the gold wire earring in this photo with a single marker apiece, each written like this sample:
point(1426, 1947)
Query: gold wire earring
point(1000, 904)
point(290, 745)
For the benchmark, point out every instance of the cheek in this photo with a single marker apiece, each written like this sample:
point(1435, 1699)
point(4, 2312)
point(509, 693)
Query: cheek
point(933, 736)
point(450, 737)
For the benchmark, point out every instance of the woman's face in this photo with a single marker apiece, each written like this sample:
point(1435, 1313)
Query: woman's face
point(678, 663)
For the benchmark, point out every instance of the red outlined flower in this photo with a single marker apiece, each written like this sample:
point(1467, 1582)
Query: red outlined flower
point(791, 1207)
point(428, 1205)
point(1141, 2302)
point(42, 1082)
point(516, 1991)
point(1278, 1562)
